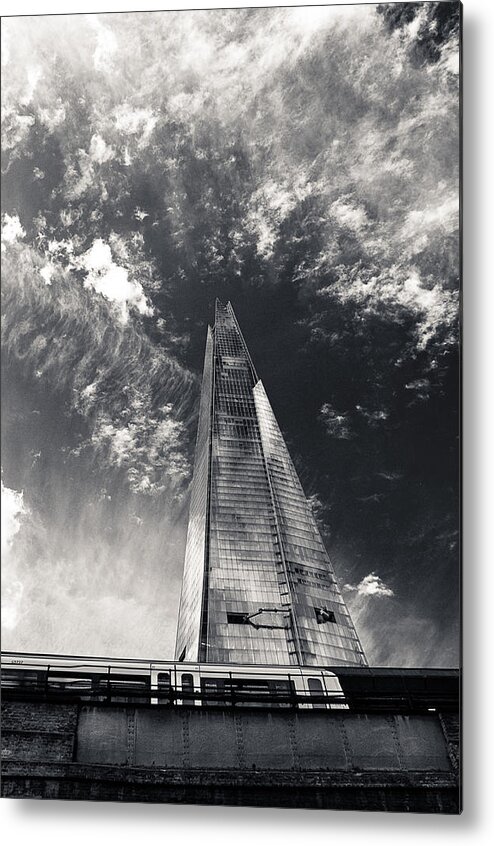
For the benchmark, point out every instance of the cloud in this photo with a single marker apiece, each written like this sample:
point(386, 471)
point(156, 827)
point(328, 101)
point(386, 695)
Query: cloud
point(269, 206)
point(336, 423)
point(152, 450)
point(106, 43)
point(11, 230)
point(34, 74)
point(350, 214)
point(99, 150)
point(97, 564)
point(135, 122)
point(13, 509)
point(47, 272)
point(390, 476)
point(80, 555)
point(53, 116)
point(12, 595)
point(137, 400)
point(84, 174)
point(419, 222)
point(404, 637)
point(112, 281)
point(397, 290)
point(421, 388)
point(141, 215)
point(15, 130)
point(14, 512)
point(370, 585)
point(373, 418)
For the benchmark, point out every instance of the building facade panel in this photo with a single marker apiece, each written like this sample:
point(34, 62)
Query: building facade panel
point(323, 626)
point(193, 583)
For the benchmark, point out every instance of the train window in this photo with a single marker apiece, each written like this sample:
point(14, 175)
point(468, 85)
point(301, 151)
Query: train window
point(214, 688)
point(83, 684)
point(282, 687)
point(188, 687)
point(323, 615)
point(261, 693)
point(250, 692)
point(121, 681)
point(251, 687)
point(76, 682)
point(316, 689)
point(129, 687)
point(163, 681)
point(164, 687)
point(22, 678)
point(234, 617)
point(187, 682)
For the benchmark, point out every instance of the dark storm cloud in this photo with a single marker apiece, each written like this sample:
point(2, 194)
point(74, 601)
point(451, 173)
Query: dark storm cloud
point(304, 164)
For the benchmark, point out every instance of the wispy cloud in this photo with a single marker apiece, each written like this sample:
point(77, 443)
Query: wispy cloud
point(138, 402)
point(337, 423)
point(398, 291)
point(106, 43)
point(135, 122)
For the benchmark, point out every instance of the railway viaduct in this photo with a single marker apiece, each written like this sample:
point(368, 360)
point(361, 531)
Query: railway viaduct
point(387, 760)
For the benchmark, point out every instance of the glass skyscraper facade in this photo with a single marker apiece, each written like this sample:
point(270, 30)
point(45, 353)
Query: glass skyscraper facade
point(258, 584)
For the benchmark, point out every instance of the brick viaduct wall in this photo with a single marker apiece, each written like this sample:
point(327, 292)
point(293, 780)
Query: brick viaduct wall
point(239, 756)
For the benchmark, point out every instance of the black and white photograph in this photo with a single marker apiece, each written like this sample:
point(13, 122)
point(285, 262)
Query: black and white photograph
point(231, 436)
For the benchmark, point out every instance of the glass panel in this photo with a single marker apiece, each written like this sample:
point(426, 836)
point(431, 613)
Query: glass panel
point(164, 681)
point(189, 619)
point(327, 637)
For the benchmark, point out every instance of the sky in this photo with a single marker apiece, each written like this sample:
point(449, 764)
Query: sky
point(300, 162)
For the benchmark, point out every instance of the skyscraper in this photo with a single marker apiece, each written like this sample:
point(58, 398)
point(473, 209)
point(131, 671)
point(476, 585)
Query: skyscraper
point(258, 585)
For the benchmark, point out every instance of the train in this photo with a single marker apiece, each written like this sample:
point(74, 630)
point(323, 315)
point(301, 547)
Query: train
point(178, 684)
point(169, 682)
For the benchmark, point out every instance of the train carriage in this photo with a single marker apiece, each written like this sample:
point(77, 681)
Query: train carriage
point(162, 682)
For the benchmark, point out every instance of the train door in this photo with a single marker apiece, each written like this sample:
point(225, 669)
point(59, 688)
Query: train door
point(188, 684)
point(162, 684)
point(316, 692)
point(312, 690)
point(321, 690)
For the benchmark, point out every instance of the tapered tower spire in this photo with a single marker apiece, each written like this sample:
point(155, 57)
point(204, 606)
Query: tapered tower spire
point(258, 584)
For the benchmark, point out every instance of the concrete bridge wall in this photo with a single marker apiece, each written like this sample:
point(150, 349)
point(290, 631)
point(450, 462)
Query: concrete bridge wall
point(306, 758)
